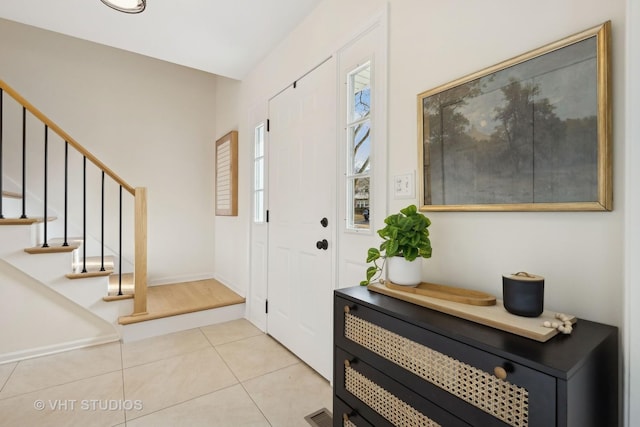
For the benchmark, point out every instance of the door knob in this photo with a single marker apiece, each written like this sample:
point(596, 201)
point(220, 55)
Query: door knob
point(322, 244)
point(324, 222)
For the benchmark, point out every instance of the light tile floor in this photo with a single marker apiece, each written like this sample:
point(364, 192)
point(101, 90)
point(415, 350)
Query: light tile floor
point(225, 375)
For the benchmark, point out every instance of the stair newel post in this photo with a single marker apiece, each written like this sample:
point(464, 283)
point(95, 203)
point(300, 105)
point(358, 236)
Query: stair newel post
point(102, 228)
point(66, 182)
point(24, 162)
point(120, 247)
point(1, 132)
point(46, 172)
point(140, 269)
point(84, 214)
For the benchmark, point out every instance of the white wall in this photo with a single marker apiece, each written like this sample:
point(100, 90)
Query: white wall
point(579, 254)
point(151, 122)
point(231, 239)
point(632, 224)
point(433, 42)
point(57, 324)
point(330, 26)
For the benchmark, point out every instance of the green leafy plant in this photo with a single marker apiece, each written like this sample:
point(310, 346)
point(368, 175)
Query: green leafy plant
point(405, 234)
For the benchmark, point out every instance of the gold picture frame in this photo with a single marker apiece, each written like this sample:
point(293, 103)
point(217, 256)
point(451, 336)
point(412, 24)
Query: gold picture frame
point(532, 133)
point(226, 184)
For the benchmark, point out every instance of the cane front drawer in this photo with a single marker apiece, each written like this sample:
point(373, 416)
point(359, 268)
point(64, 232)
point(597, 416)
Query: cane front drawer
point(384, 401)
point(346, 416)
point(484, 377)
point(439, 368)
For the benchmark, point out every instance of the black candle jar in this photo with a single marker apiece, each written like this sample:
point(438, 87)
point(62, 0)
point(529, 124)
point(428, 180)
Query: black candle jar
point(523, 294)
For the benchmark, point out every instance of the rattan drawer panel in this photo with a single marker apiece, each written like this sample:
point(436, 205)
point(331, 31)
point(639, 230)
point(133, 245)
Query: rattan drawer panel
point(503, 400)
point(569, 381)
point(346, 416)
point(348, 423)
point(440, 368)
point(385, 402)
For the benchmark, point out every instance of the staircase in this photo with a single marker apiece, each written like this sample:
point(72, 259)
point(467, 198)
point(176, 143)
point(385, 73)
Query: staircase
point(56, 266)
point(86, 270)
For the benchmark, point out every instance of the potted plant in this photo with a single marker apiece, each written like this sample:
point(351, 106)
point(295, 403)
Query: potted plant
point(405, 238)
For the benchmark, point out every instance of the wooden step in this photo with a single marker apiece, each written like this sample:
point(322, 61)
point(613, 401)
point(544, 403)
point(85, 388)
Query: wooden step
point(95, 263)
point(11, 195)
point(89, 274)
point(70, 240)
point(110, 298)
point(24, 221)
point(127, 286)
point(50, 249)
point(182, 298)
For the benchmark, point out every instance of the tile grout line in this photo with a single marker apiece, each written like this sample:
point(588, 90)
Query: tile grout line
point(124, 393)
point(237, 379)
point(184, 347)
point(7, 380)
point(189, 351)
point(260, 333)
point(183, 402)
point(59, 385)
point(168, 357)
point(171, 357)
point(297, 362)
point(32, 359)
point(213, 347)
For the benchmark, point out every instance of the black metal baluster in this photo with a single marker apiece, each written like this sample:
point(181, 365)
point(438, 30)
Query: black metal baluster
point(1, 132)
point(84, 214)
point(120, 248)
point(66, 169)
point(102, 227)
point(24, 162)
point(46, 172)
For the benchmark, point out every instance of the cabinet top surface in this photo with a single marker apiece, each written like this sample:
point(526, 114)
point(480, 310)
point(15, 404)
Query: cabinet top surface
point(560, 356)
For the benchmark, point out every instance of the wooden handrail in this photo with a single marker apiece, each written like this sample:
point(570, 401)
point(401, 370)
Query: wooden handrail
point(139, 194)
point(54, 127)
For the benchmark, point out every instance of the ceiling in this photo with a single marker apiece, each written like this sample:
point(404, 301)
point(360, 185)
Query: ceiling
point(224, 37)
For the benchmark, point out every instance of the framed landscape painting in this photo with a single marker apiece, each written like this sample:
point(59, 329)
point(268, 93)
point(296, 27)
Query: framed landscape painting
point(529, 134)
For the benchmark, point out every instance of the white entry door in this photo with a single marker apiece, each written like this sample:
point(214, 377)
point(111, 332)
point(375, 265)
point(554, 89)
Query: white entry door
point(302, 169)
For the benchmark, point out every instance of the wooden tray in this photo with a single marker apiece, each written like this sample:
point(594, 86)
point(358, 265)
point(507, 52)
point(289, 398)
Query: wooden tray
point(495, 316)
point(450, 293)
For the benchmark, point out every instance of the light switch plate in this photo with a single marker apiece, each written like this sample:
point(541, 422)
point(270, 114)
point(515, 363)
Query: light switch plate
point(404, 186)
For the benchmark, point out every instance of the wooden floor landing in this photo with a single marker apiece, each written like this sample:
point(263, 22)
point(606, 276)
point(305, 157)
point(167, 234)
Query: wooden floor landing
point(182, 298)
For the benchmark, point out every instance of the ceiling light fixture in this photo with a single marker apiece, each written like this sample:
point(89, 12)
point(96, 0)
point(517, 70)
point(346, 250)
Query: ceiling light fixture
point(126, 6)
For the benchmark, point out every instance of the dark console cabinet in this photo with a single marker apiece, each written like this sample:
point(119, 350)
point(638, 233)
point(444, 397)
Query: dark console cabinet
point(399, 364)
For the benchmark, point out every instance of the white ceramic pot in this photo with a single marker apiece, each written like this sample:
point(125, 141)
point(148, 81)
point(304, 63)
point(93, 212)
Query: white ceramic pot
point(403, 272)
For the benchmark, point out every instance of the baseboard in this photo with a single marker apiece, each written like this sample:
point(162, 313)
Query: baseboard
point(229, 284)
point(194, 278)
point(57, 348)
point(178, 279)
point(183, 322)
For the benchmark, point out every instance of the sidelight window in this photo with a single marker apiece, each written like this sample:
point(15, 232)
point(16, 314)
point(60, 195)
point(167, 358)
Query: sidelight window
point(258, 175)
point(359, 128)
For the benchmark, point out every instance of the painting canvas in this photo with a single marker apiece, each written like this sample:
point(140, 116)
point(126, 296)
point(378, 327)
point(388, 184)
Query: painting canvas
point(528, 134)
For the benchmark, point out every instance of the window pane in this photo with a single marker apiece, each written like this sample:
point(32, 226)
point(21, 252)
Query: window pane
point(360, 137)
point(258, 202)
point(259, 142)
point(259, 174)
point(361, 209)
point(360, 93)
